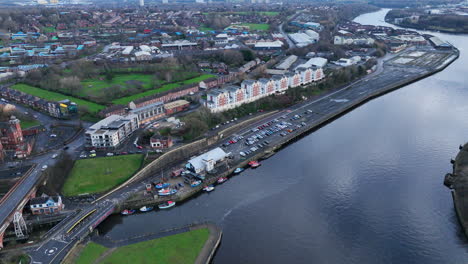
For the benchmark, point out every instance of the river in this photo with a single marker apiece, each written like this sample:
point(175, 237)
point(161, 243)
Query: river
point(366, 188)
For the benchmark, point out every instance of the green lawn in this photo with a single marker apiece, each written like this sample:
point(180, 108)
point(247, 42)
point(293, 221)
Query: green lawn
point(94, 175)
point(262, 27)
point(166, 87)
point(48, 29)
point(25, 124)
point(53, 96)
point(94, 86)
point(176, 249)
point(205, 29)
point(91, 252)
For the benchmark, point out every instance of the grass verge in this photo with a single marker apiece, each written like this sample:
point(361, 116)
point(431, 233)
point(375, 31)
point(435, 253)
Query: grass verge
point(94, 175)
point(176, 249)
point(25, 124)
point(53, 96)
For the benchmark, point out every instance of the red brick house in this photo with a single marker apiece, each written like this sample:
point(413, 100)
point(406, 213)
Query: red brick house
point(161, 142)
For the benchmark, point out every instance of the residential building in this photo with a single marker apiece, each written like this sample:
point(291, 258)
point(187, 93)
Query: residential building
point(148, 112)
point(111, 131)
point(46, 205)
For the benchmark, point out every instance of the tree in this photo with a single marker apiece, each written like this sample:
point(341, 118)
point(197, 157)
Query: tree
point(71, 85)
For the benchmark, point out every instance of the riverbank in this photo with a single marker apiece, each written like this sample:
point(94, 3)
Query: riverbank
point(191, 244)
point(353, 96)
point(457, 181)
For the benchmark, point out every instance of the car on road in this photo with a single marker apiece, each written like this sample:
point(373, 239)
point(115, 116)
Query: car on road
point(66, 147)
point(55, 156)
point(44, 168)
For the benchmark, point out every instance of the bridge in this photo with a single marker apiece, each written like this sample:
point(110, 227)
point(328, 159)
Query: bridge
point(12, 204)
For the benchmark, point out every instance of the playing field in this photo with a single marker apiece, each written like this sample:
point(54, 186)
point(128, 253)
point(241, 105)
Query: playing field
point(94, 175)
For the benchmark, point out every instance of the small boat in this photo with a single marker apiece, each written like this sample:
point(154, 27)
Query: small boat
point(162, 185)
point(128, 212)
point(166, 205)
point(195, 183)
point(208, 188)
point(146, 209)
point(222, 179)
point(254, 164)
point(165, 192)
point(238, 170)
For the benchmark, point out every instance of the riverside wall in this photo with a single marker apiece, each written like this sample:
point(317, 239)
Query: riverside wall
point(270, 151)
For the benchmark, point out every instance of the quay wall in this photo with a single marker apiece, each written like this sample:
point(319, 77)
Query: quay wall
point(290, 138)
point(184, 152)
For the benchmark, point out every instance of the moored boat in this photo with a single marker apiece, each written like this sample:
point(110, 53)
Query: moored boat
point(128, 212)
point(208, 188)
point(165, 192)
point(238, 170)
point(146, 209)
point(254, 164)
point(222, 179)
point(162, 185)
point(195, 183)
point(166, 205)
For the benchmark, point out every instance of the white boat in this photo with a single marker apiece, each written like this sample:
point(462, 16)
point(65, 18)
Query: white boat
point(166, 205)
point(208, 188)
point(146, 209)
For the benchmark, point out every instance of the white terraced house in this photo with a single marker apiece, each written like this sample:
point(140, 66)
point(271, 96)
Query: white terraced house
point(219, 100)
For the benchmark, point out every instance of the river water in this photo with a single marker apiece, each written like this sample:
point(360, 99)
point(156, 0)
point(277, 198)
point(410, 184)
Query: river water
point(366, 188)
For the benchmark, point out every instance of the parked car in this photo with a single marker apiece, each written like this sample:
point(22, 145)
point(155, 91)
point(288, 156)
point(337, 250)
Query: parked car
point(44, 168)
point(53, 135)
point(92, 155)
point(110, 154)
point(55, 156)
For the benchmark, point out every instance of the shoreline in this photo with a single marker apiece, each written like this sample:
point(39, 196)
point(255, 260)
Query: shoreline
point(291, 138)
point(457, 181)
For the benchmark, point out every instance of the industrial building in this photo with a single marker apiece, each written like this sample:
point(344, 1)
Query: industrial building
point(207, 161)
point(304, 39)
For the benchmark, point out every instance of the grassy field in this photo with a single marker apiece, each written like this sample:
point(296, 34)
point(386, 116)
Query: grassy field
point(48, 29)
point(166, 87)
point(93, 175)
point(91, 252)
point(29, 123)
point(177, 249)
point(53, 96)
point(262, 27)
point(94, 86)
